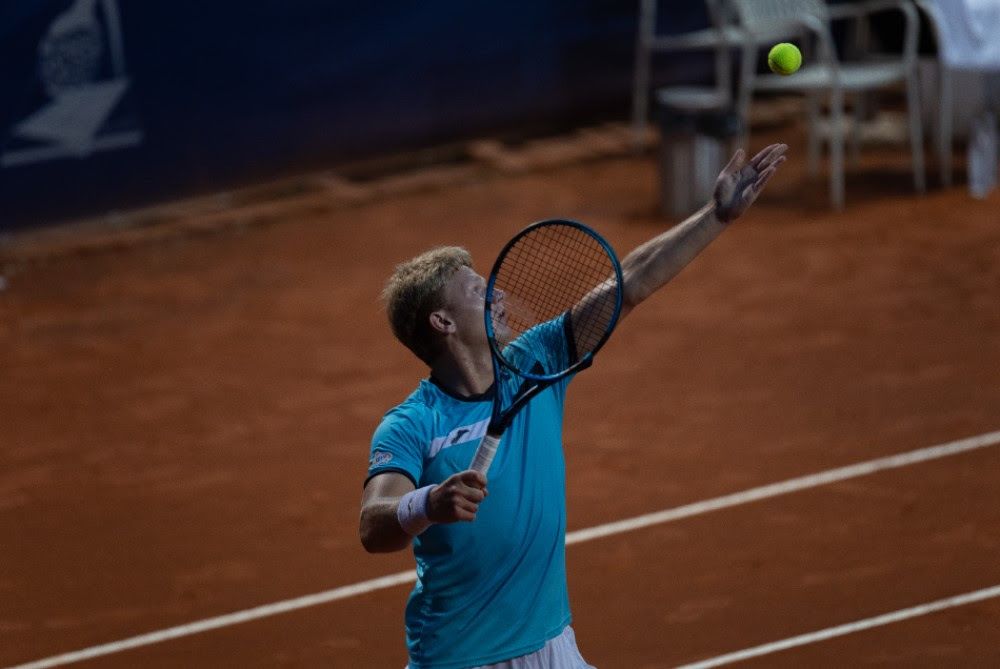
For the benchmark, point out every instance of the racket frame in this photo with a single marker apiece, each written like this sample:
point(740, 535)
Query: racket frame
point(501, 419)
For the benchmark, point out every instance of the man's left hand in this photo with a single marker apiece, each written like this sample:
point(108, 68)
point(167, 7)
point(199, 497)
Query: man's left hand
point(739, 184)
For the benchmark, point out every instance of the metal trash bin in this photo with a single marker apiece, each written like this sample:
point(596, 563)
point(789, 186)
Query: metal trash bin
point(698, 126)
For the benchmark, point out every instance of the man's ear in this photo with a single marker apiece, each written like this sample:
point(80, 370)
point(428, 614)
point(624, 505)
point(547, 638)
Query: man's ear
point(441, 322)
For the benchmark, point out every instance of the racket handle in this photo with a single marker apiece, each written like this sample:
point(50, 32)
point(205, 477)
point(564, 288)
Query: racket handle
point(484, 454)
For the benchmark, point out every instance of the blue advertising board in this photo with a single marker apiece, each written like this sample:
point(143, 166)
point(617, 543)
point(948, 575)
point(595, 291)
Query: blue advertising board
point(108, 104)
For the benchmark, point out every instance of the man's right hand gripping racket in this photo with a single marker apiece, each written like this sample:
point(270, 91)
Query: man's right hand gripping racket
point(551, 269)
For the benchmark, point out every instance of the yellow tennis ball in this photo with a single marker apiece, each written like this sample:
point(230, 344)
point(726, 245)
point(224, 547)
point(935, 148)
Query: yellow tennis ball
point(784, 58)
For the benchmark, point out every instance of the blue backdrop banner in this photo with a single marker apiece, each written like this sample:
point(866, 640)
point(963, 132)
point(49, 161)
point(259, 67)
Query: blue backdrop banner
point(109, 104)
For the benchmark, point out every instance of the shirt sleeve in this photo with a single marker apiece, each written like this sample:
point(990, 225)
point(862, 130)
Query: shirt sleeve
point(549, 344)
point(396, 447)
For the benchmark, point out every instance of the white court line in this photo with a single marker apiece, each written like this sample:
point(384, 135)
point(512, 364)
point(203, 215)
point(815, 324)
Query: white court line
point(579, 536)
point(841, 630)
point(224, 621)
point(785, 487)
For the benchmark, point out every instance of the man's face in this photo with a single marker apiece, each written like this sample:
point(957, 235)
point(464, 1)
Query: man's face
point(465, 295)
point(464, 301)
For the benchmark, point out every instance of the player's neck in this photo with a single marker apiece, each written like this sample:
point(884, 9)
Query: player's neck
point(463, 372)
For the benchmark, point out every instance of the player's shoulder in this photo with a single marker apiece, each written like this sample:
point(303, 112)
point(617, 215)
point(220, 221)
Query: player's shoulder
point(554, 329)
point(410, 409)
point(542, 342)
point(417, 420)
point(417, 411)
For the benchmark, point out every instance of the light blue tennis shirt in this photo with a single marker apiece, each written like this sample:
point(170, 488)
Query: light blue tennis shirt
point(494, 588)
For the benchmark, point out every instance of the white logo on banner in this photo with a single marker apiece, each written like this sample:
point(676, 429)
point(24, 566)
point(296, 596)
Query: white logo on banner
point(81, 67)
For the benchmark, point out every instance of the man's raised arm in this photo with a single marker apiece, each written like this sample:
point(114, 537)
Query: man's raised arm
point(653, 264)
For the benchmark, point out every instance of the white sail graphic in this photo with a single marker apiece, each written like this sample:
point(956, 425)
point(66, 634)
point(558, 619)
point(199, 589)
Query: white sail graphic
point(81, 97)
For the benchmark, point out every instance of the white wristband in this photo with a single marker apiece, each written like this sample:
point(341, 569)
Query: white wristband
point(412, 511)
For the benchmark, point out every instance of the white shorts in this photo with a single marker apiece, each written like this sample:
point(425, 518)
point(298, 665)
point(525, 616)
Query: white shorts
point(558, 653)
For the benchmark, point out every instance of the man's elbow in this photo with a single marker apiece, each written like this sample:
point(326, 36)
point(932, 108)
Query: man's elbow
point(369, 537)
point(366, 540)
point(376, 540)
point(374, 544)
point(634, 289)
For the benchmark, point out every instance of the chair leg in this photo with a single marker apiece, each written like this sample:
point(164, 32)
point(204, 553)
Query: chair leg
point(813, 147)
point(744, 94)
point(640, 86)
point(640, 98)
point(944, 124)
point(837, 149)
point(859, 111)
point(916, 132)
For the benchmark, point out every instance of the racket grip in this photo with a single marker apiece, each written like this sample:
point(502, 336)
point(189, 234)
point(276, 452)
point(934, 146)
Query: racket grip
point(484, 454)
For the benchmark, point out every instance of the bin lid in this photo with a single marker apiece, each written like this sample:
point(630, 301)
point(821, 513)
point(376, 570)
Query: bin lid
point(692, 98)
point(701, 110)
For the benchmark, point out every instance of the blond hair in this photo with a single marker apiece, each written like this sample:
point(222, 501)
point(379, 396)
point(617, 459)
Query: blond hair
point(415, 290)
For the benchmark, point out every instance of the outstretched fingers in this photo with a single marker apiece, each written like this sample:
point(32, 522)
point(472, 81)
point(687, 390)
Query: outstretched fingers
point(768, 172)
point(735, 162)
point(741, 182)
point(767, 156)
point(755, 188)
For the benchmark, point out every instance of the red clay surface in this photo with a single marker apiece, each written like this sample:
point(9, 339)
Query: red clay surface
point(186, 424)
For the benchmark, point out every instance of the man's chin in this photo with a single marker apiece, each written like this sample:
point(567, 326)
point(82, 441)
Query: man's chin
point(502, 334)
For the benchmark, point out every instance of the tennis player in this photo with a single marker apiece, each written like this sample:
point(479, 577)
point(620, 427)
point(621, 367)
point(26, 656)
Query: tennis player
point(491, 572)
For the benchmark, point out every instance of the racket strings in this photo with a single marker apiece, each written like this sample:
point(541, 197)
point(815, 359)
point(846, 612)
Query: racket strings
point(549, 271)
point(557, 271)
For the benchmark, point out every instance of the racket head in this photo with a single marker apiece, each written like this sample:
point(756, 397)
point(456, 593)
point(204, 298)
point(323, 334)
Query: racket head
point(543, 272)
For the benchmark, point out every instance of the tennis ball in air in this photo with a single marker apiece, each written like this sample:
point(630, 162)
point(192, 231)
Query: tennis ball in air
point(784, 58)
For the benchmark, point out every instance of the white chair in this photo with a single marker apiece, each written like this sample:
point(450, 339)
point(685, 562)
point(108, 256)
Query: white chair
point(721, 37)
point(647, 42)
point(943, 135)
point(826, 73)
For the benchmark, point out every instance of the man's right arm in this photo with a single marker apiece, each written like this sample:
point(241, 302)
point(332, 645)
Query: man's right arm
point(458, 498)
point(380, 529)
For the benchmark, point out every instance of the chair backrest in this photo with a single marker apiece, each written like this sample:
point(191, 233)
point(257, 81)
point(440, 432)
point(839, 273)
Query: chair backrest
point(775, 15)
point(720, 13)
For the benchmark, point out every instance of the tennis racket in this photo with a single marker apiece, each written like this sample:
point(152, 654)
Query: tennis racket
point(552, 269)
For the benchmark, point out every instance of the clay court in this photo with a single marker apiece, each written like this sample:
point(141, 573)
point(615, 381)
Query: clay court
point(188, 396)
